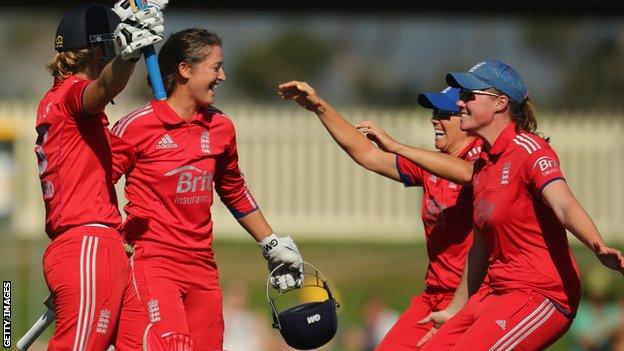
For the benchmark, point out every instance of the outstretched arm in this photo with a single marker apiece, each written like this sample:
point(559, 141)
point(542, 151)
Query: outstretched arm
point(558, 196)
point(350, 140)
point(437, 163)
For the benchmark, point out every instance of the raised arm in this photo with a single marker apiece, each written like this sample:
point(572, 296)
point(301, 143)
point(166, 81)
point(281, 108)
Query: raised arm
point(346, 135)
point(438, 163)
point(558, 196)
point(140, 30)
point(110, 82)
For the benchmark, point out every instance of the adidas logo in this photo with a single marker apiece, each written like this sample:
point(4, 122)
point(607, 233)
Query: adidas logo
point(501, 323)
point(166, 143)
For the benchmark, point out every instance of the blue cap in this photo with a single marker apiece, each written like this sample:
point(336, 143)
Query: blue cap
point(491, 74)
point(446, 100)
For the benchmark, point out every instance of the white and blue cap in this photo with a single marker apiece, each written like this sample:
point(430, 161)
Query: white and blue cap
point(446, 100)
point(491, 74)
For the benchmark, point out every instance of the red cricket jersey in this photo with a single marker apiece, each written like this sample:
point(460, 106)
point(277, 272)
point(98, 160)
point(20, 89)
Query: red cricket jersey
point(447, 219)
point(75, 162)
point(171, 174)
point(530, 248)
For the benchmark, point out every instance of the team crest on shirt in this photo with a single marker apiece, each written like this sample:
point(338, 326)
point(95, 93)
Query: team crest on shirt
point(505, 175)
point(433, 179)
point(204, 142)
point(154, 311)
point(103, 321)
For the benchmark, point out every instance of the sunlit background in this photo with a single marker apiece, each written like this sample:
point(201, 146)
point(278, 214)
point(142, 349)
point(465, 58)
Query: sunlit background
point(362, 231)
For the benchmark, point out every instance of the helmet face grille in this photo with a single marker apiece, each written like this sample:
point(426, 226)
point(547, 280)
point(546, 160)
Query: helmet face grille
point(310, 325)
point(84, 25)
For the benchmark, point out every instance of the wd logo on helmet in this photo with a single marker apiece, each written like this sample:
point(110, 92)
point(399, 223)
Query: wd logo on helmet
point(192, 180)
point(314, 318)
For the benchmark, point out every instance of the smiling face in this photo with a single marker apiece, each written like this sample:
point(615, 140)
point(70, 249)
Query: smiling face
point(203, 77)
point(477, 109)
point(448, 135)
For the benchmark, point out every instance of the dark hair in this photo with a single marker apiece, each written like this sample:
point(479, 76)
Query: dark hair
point(188, 46)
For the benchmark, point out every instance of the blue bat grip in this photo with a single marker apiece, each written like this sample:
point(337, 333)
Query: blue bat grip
point(151, 61)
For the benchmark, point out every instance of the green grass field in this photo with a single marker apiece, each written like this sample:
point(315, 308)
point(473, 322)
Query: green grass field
point(356, 270)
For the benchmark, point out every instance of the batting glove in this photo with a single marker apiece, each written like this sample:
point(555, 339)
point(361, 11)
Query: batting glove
point(141, 29)
point(123, 9)
point(278, 250)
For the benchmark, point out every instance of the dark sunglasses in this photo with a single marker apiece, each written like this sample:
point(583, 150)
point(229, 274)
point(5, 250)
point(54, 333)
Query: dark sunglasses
point(467, 95)
point(441, 114)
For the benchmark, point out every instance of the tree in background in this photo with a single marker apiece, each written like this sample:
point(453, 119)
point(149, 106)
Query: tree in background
point(590, 57)
point(292, 55)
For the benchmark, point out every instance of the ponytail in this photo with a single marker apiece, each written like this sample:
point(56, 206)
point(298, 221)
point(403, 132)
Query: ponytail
point(66, 63)
point(523, 115)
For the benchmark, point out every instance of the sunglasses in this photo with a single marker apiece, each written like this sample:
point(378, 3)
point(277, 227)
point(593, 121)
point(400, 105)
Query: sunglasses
point(467, 95)
point(441, 114)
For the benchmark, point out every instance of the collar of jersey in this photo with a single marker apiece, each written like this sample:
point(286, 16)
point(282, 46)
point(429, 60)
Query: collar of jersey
point(476, 142)
point(503, 140)
point(168, 116)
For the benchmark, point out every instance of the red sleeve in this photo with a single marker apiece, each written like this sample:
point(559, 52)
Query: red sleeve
point(72, 104)
point(125, 155)
point(230, 184)
point(541, 168)
point(411, 174)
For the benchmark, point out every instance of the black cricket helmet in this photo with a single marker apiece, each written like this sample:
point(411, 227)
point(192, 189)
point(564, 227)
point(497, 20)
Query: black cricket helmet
point(85, 26)
point(308, 325)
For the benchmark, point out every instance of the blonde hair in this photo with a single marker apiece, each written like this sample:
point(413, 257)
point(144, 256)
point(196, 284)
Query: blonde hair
point(66, 63)
point(523, 114)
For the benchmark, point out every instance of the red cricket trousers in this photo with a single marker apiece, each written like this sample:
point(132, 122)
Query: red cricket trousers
point(406, 332)
point(89, 276)
point(181, 294)
point(520, 320)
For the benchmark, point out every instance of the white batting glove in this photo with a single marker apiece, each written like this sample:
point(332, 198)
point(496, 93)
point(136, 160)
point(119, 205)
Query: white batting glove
point(123, 9)
point(278, 250)
point(141, 29)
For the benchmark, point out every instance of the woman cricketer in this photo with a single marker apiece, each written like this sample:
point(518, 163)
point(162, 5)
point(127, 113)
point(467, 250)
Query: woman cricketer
point(178, 151)
point(522, 209)
point(85, 265)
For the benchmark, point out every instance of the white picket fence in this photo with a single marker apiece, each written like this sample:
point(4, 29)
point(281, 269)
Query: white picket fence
point(307, 186)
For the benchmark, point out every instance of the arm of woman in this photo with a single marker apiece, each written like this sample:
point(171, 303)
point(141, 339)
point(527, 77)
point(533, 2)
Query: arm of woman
point(360, 149)
point(438, 163)
point(558, 196)
point(111, 81)
point(144, 28)
point(256, 225)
